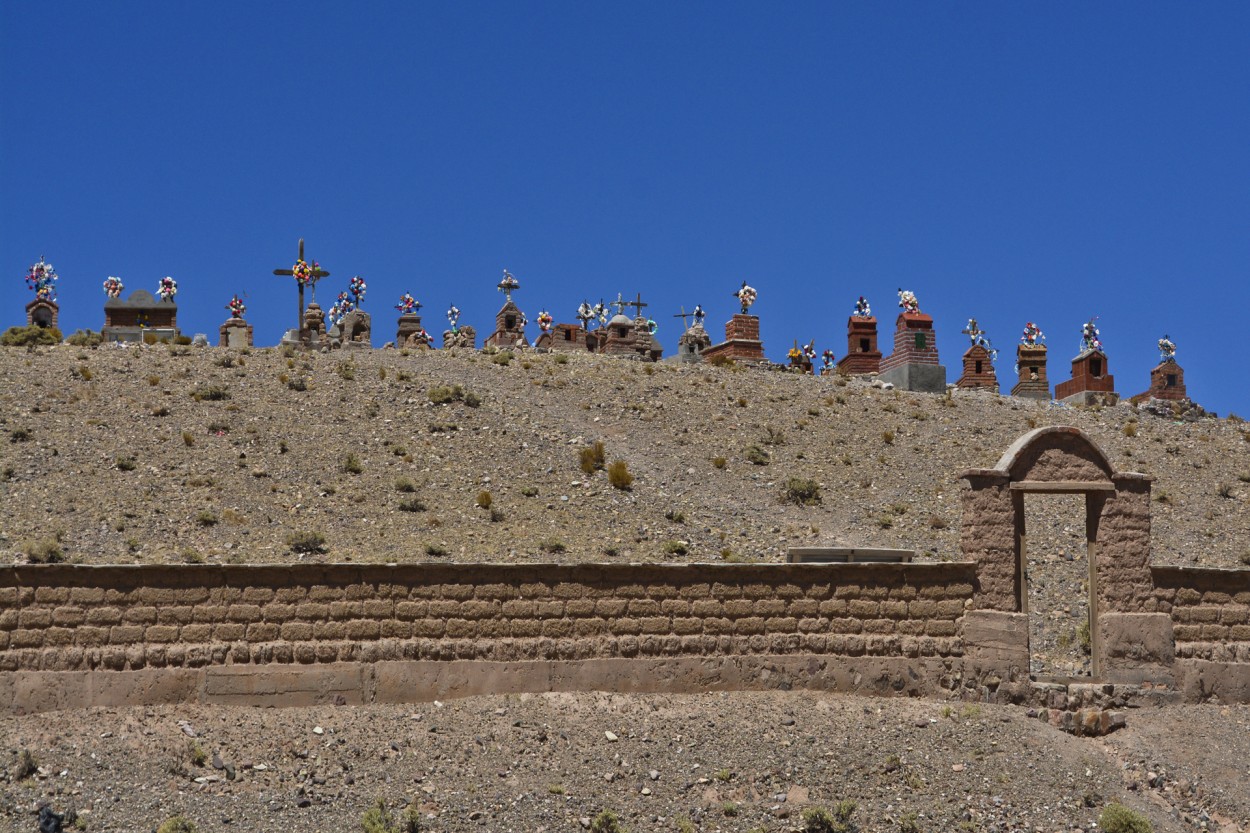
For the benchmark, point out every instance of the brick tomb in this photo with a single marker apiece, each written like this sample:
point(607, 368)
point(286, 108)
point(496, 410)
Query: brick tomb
point(742, 341)
point(978, 369)
point(914, 363)
point(138, 315)
point(1090, 384)
point(862, 356)
point(1031, 367)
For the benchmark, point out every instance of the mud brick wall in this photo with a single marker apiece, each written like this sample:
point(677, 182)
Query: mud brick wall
point(1210, 611)
point(65, 618)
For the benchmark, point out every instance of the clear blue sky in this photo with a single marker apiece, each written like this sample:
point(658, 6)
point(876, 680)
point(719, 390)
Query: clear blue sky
point(1012, 162)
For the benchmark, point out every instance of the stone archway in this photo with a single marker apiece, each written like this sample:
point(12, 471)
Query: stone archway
point(1130, 641)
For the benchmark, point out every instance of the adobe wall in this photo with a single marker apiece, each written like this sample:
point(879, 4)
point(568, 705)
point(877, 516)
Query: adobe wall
point(74, 636)
point(1210, 614)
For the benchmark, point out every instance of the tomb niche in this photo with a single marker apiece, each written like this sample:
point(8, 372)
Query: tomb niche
point(509, 321)
point(914, 363)
point(139, 315)
point(313, 335)
point(978, 360)
point(563, 338)
point(1167, 395)
point(355, 330)
point(42, 313)
point(409, 332)
point(1031, 365)
point(742, 334)
point(235, 333)
point(862, 356)
point(695, 340)
point(1090, 384)
point(631, 338)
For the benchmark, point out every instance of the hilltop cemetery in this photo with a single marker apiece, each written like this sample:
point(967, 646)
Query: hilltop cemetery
point(912, 365)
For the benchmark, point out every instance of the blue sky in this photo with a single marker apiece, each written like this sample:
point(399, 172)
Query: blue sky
point(1013, 162)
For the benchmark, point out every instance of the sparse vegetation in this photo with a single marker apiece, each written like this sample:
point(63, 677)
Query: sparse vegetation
point(801, 492)
point(676, 548)
point(412, 504)
point(719, 462)
point(1116, 818)
point(377, 819)
point(306, 542)
point(484, 499)
point(619, 476)
point(31, 336)
point(26, 765)
point(607, 822)
point(206, 518)
point(210, 393)
point(352, 464)
point(593, 458)
point(822, 820)
point(552, 546)
point(177, 824)
point(887, 437)
point(125, 463)
point(756, 456)
point(405, 485)
point(85, 338)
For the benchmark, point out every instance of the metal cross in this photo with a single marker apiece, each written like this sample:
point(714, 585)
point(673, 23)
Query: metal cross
point(637, 304)
point(317, 275)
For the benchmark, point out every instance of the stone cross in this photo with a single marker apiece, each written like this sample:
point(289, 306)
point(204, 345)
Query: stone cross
point(637, 304)
point(317, 275)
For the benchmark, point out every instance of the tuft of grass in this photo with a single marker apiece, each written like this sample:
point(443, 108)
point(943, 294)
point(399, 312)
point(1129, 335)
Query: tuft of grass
point(125, 464)
point(675, 516)
point(196, 753)
point(405, 485)
point(346, 370)
point(210, 393)
point(937, 522)
point(801, 492)
point(607, 822)
point(352, 464)
point(1130, 429)
point(756, 456)
point(593, 458)
point(552, 546)
point(377, 819)
point(909, 822)
point(676, 548)
point(299, 383)
point(206, 518)
point(177, 824)
point(412, 504)
point(887, 437)
point(1116, 818)
point(773, 436)
point(719, 462)
point(436, 551)
point(19, 435)
point(1224, 490)
point(529, 491)
point(885, 521)
point(445, 394)
point(306, 542)
point(26, 765)
point(838, 820)
point(730, 809)
point(619, 476)
point(484, 499)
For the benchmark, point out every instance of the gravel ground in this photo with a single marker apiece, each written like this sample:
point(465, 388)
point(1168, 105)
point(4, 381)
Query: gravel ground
point(740, 762)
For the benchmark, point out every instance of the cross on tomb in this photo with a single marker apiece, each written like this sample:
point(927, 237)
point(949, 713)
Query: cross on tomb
point(637, 304)
point(973, 332)
point(317, 274)
point(682, 315)
point(619, 303)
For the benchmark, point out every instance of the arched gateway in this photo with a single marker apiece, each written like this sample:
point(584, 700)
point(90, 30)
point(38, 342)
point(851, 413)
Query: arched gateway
point(1130, 641)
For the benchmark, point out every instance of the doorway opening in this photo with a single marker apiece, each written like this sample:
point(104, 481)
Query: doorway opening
point(1056, 543)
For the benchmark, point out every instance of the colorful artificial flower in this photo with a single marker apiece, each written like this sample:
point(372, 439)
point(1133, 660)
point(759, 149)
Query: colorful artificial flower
point(1167, 350)
point(357, 287)
point(746, 296)
point(1089, 336)
point(236, 307)
point(42, 279)
point(305, 272)
point(1032, 335)
point(826, 360)
point(544, 321)
point(507, 284)
point(408, 305)
point(907, 300)
point(585, 314)
point(340, 308)
point(652, 327)
point(167, 288)
point(453, 316)
point(113, 287)
point(862, 310)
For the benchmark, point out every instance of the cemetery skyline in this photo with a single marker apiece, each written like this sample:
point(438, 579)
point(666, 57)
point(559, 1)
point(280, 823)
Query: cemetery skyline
point(1006, 164)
